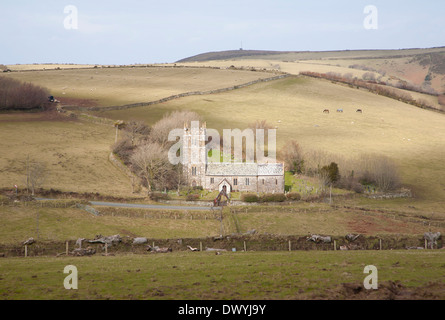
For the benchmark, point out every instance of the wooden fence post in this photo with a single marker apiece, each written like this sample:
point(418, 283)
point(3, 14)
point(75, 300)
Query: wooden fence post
point(200, 246)
point(335, 245)
point(245, 250)
point(26, 250)
point(66, 248)
point(290, 246)
point(426, 244)
point(380, 244)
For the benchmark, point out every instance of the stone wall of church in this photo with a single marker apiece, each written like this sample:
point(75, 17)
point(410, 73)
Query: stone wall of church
point(271, 184)
point(262, 184)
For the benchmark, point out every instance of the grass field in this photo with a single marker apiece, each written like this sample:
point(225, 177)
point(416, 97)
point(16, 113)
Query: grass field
point(410, 65)
point(75, 154)
point(395, 69)
point(62, 224)
point(243, 275)
point(118, 86)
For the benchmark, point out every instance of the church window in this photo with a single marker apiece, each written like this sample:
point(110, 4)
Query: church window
point(235, 182)
point(193, 171)
point(212, 180)
point(247, 181)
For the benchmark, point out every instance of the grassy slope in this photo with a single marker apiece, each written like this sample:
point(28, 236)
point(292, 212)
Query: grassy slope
point(413, 137)
point(118, 86)
point(75, 154)
point(205, 276)
point(402, 68)
point(409, 64)
point(70, 224)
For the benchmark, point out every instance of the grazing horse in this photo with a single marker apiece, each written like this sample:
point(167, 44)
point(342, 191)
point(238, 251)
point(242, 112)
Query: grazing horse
point(326, 111)
point(359, 110)
point(339, 110)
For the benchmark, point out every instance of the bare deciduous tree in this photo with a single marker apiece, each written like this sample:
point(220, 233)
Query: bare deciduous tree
point(150, 162)
point(293, 157)
point(174, 120)
point(36, 173)
point(136, 131)
point(380, 170)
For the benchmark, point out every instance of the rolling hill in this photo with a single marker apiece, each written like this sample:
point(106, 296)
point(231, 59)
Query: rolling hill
point(421, 67)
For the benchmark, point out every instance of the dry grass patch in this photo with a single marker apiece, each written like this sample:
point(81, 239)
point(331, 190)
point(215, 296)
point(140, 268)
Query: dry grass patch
point(119, 86)
point(75, 154)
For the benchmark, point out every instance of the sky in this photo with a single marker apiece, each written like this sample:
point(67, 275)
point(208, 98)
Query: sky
point(135, 31)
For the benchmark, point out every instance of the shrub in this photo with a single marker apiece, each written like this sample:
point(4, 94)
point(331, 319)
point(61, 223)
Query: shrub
point(18, 95)
point(313, 197)
point(192, 197)
point(331, 172)
point(273, 197)
point(123, 149)
point(358, 187)
point(295, 196)
point(156, 196)
point(249, 197)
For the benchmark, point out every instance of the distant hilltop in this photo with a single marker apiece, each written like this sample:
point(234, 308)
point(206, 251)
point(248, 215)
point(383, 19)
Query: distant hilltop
point(309, 55)
point(229, 54)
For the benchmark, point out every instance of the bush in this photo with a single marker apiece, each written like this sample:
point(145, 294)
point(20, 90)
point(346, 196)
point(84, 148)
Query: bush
point(249, 197)
point(331, 172)
point(358, 187)
point(295, 196)
point(313, 197)
point(156, 196)
point(17, 95)
point(273, 197)
point(192, 197)
point(123, 149)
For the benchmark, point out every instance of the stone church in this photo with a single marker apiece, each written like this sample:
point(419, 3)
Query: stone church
point(236, 176)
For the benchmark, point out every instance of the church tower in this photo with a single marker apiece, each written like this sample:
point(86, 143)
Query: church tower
point(194, 153)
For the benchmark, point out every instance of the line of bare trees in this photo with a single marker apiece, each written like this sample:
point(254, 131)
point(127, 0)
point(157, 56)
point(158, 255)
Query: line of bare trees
point(17, 95)
point(378, 171)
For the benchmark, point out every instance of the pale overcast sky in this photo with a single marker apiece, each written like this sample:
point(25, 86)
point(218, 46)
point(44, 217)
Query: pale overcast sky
point(132, 31)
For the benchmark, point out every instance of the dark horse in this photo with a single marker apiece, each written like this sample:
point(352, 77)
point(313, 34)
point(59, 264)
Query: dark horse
point(326, 111)
point(359, 110)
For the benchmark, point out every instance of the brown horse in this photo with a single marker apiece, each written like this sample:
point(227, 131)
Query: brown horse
point(359, 110)
point(326, 111)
